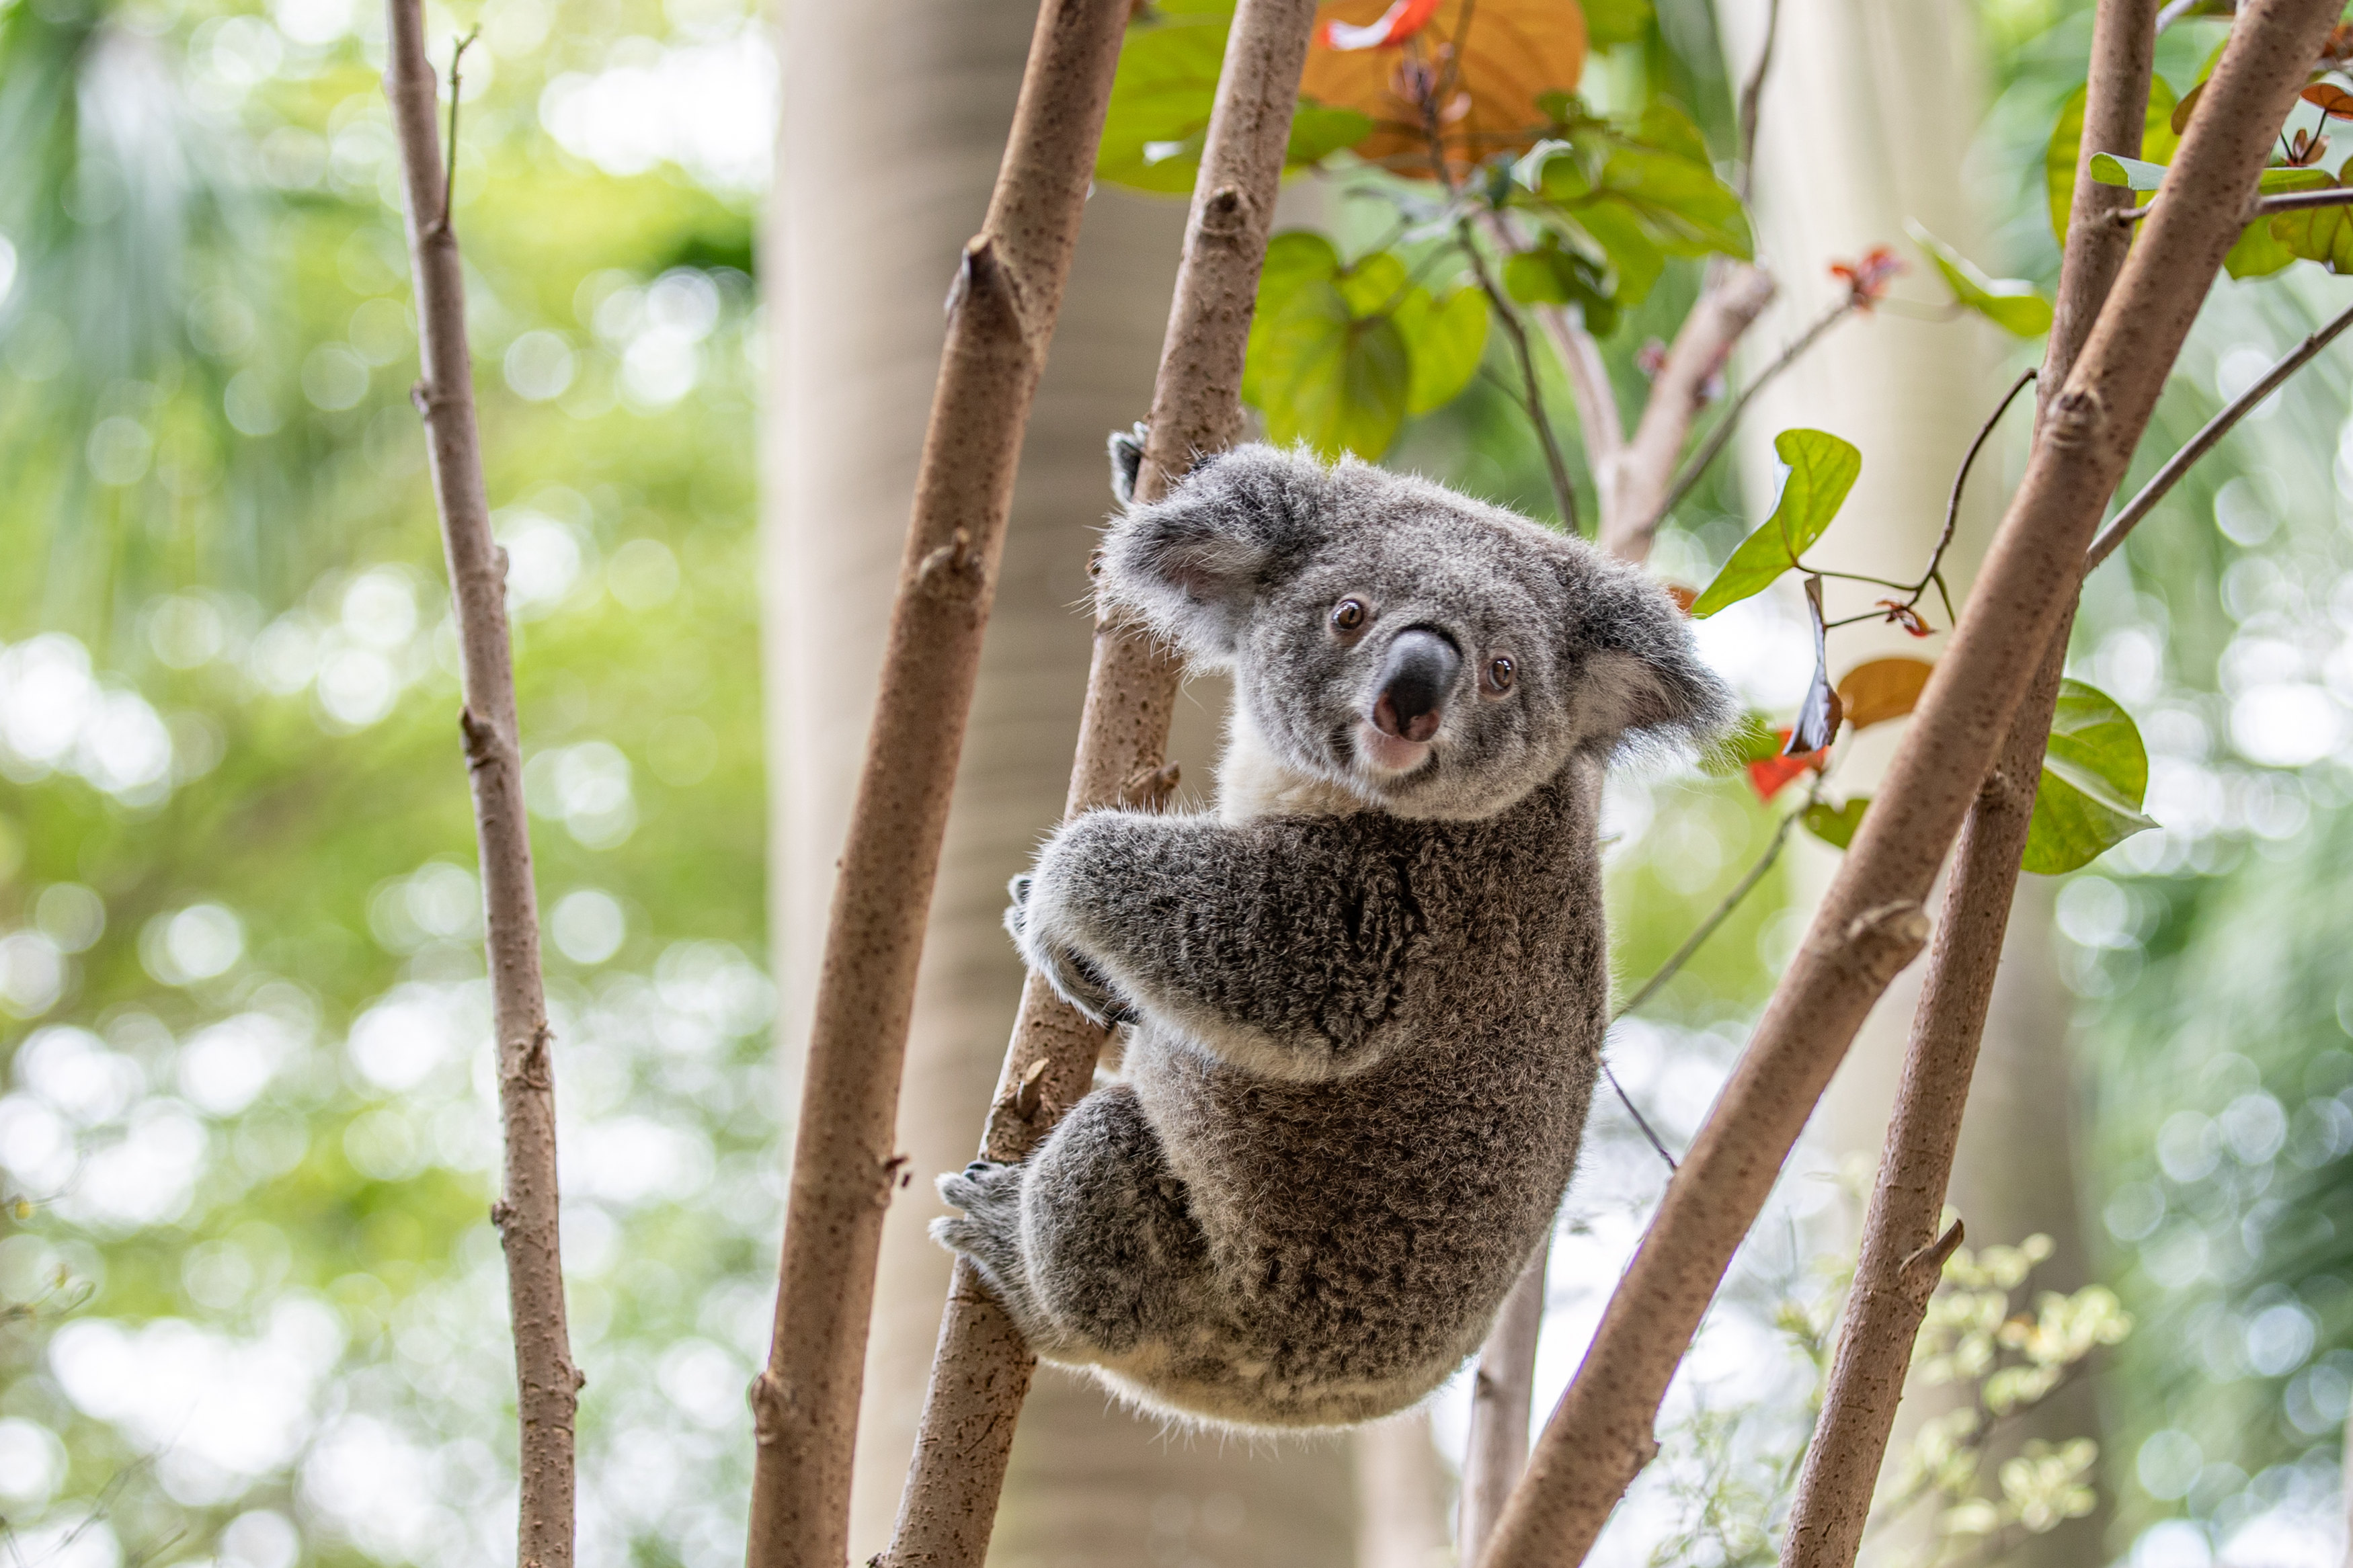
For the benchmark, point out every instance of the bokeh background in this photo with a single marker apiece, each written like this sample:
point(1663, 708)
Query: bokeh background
point(251, 1308)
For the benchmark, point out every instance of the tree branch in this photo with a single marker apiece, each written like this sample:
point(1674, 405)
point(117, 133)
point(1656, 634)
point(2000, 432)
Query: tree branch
point(1564, 493)
point(1871, 923)
point(1007, 292)
point(2208, 434)
point(981, 1369)
point(1500, 1398)
point(1716, 917)
point(547, 1383)
point(1751, 92)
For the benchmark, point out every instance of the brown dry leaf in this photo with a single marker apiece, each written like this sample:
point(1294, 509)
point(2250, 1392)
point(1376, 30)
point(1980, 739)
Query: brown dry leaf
point(2329, 99)
point(1515, 50)
point(2181, 112)
point(1882, 690)
point(1684, 594)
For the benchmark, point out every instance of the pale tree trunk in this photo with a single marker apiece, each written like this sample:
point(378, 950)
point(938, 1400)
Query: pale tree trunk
point(894, 115)
point(1866, 122)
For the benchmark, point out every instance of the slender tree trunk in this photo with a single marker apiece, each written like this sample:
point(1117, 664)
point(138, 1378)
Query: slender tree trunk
point(547, 1383)
point(1401, 1496)
point(1501, 1401)
point(855, 333)
point(1872, 923)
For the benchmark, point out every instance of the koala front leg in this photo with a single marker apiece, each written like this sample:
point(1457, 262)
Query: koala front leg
point(1045, 946)
point(1278, 944)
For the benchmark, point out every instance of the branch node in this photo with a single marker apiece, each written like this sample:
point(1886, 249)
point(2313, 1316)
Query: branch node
point(985, 286)
point(895, 1175)
point(1225, 214)
point(1877, 943)
point(531, 1069)
point(1922, 1270)
point(499, 1213)
point(1148, 789)
point(1027, 1094)
point(480, 739)
point(769, 1400)
point(2075, 418)
point(951, 573)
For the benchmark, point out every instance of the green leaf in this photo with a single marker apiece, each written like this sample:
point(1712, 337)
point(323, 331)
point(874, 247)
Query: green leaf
point(2010, 304)
point(1652, 176)
point(1633, 254)
point(2156, 144)
point(1160, 99)
point(2133, 174)
point(1554, 274)
point(1613, 22)
point(1295, 259)
point(1822, 469)
point(1158, 117)
point(2317, 234)
point(1752, 739)
point(1836, 824)
point(1318, 132)
point(2093, 778)
point(1445, 341)
point(1331, 378)
point(1373, 283)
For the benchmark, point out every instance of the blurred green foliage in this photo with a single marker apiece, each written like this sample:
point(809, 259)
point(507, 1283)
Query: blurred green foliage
point(254, 1310)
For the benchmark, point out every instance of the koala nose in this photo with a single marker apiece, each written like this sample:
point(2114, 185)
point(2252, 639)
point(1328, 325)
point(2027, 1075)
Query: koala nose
point(1415, 679)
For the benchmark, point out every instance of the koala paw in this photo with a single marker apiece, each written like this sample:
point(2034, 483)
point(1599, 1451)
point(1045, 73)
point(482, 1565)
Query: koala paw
point(1036, 931)
point(988, 1231)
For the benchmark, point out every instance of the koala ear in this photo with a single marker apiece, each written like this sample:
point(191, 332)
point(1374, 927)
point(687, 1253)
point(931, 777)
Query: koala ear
point(1191, 564)
point(1642, 676)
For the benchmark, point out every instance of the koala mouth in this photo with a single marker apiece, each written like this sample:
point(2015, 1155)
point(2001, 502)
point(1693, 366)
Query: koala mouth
point(1387, 756)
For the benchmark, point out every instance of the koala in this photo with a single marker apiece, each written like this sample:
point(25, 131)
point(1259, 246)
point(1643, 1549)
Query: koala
point(1365, 995)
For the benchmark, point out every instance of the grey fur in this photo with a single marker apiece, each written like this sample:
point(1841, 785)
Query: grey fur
point(1367, 1003)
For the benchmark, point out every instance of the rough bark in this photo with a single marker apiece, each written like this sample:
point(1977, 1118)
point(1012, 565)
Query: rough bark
point(547, 1383)
point(1870, 923)
point(981, 1369)
point(1900, 1257)
point(1500, 1402)
point(1002, 308)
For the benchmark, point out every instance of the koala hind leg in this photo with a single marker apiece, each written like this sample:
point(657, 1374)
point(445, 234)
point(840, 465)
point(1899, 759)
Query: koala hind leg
point(1114, 1254)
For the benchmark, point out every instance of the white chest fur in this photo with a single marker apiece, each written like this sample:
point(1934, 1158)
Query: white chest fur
point(1252, 782)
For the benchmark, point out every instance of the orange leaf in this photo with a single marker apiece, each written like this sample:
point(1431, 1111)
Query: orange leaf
point(2332, 100)
point(1513, 52)
point(1684, 594)
point(1903, 614)
point(1766, 775)
point(1882, 690)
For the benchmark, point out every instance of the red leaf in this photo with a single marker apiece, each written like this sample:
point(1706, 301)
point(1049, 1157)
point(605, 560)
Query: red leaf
point(1401, 21)
point(1867, 280)
point(1907, 617)
point(1768, 775)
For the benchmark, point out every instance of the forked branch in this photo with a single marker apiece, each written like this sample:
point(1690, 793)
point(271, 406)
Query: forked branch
point(547, 1383)
point(1871, 923)
point(1007, 292)
point(981, 1370)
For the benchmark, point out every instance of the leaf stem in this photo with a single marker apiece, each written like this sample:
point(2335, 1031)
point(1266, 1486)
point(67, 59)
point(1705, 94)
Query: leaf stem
point(1723, 911)
point(2263, 206)
point(2213, 431)
point(1751, 92)
point(449, 179)
point(1722, 433)
point(1564, 492)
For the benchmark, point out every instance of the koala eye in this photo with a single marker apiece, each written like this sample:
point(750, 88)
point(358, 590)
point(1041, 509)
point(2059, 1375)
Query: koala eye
point(1347, 614)
point(1500, 672)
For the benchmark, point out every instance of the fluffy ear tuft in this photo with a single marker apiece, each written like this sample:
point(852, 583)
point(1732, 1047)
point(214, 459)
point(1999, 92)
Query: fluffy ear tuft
point(1191, 564)
point(1643, 676)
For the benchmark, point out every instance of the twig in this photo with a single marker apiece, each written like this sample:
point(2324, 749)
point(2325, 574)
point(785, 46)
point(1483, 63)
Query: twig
point(1007, 295)
point(1564, 493)
point(1934, 574)
point(1751, 92)
point(1870, 923)
point(449, 179)
point(2208, 434)
point(1657, 1145)
point(547, 1383)
point(1716, 438)
point(1717, 916)
point(2262, 207)
point(981, 1370)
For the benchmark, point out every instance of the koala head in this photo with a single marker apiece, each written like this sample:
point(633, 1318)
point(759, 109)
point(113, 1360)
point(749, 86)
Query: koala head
point(1435, 655)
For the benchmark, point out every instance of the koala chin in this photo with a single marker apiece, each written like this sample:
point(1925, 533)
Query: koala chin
point(1366, 995)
